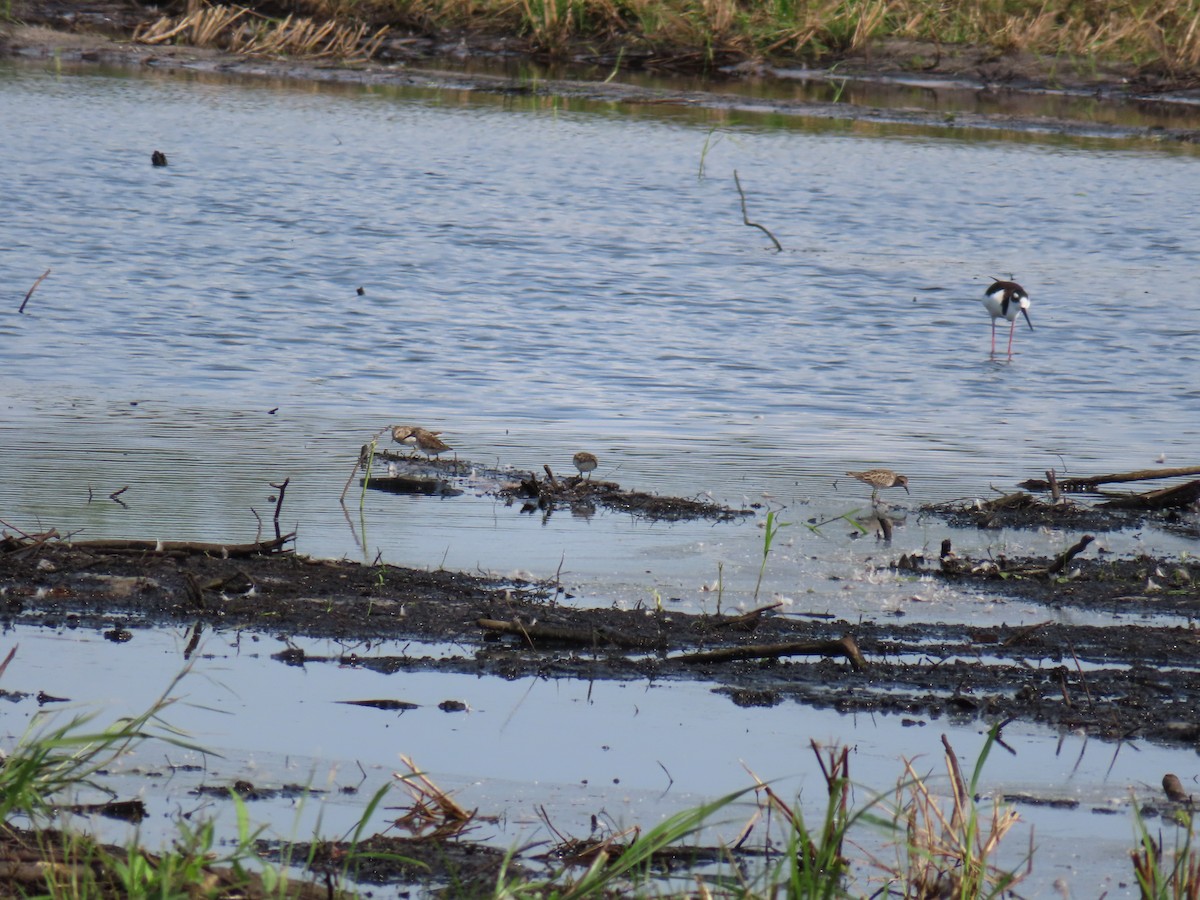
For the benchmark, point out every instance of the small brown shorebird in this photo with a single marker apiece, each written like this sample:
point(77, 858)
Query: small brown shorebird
point(1006, 300)
point(585, 462)
point(427, 442)
point(880, 478)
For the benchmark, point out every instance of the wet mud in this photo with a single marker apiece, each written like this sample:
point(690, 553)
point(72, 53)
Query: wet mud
point(580, 496)
point(1118, 682)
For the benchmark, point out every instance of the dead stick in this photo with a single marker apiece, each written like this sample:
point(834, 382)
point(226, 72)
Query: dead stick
point(746, 219)
point(1061, 563)
point(1052, 480)
point(279, 502)
point(364, 456)
point(31, 290)
point(749, 619)
point(843, 647)
point(358, 464)
point(15, 528)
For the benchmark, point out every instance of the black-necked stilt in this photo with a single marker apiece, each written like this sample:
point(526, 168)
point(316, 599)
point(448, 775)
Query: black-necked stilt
point(880, 478)
point(585, 462)
point(1004, 300)
point(427, 442)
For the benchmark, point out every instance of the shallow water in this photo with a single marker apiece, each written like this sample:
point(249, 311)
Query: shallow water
point(544, 276)
point(627, 753)
point(539, 279)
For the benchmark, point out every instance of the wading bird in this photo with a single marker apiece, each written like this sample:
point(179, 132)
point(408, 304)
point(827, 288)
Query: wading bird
point(1004, 300)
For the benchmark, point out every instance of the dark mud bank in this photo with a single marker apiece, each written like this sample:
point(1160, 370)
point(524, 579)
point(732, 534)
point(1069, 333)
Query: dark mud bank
point(1118, 682)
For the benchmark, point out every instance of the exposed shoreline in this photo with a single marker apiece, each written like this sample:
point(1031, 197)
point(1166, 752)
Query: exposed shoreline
point(35, 35)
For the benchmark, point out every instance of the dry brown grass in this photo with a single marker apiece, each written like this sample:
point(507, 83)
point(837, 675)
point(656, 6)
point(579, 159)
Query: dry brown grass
point(948, 852)
point(434, 814)
point(241, 30)
point(1160, 37)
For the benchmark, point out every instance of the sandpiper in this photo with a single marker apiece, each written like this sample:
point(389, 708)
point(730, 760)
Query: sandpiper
point(1004, 300)
point(427, 442)
point(880, 478)
point(585, 462)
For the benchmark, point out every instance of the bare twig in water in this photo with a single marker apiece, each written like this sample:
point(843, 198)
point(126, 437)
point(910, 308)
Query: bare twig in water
point(13, 652)
point(31, 290)
point(363, 455)
point(115, 496)
point(746, 219)
point(279, 502)
point(1052, 480)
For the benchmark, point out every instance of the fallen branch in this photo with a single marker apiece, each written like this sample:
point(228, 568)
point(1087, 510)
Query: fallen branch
point(225, 551)
point(1064, 558)
point(29, 293)
point(746, 219)
point(1176, 497)
point(747, 621)
point(843, 647)
point(1091, 481)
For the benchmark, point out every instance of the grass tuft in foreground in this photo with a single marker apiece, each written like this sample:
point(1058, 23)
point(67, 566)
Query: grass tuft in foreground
point(1162, 875)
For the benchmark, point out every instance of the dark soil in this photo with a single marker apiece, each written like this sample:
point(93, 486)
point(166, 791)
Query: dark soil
point(1022, 510)
point(1118, 682)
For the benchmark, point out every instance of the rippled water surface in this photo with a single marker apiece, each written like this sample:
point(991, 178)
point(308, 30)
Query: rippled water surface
point(540, 276)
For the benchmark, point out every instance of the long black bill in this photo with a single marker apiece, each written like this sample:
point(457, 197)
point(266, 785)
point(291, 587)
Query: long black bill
point(1025, 313)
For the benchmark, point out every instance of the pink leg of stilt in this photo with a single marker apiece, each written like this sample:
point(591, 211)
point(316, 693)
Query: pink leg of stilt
point(1011, 330)
point(993, 337)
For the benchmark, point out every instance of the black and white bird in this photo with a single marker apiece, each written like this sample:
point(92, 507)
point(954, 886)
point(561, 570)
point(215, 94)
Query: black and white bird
point(1004, 300)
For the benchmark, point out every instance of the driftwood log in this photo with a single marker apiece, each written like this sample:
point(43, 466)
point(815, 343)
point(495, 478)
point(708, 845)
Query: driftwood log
point(1176, 497)
point(1091, 482)
point(225, 551)
point(843, 647)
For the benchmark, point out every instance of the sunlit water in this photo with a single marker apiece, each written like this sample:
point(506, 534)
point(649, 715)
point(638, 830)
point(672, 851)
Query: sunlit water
point(627, 753)
point(540, 277)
